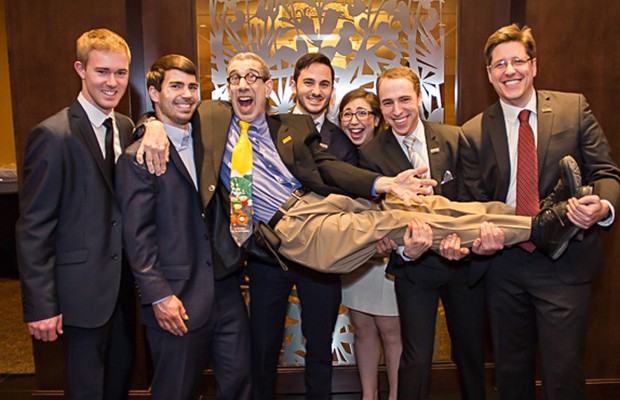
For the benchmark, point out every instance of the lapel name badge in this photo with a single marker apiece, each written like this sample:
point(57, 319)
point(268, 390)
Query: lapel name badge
point(435, 150)
point(546, 110)
point(286, 140)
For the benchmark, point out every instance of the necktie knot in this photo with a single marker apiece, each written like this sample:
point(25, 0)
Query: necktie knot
point(245, 127)
point(524, 116)
point(108, 123)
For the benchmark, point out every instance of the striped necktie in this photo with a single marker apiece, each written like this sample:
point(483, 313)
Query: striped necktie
point(527, 174)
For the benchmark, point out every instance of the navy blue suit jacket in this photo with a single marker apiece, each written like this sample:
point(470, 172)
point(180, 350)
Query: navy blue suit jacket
point(165, 237)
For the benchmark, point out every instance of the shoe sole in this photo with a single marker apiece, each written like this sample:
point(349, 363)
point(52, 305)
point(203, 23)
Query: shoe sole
point(579, 193)
point(571, 175)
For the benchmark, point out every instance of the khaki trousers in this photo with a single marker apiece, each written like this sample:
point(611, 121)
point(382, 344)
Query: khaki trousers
point(338, 234)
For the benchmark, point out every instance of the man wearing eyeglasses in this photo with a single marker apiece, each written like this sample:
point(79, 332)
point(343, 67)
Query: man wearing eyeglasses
point(421, 282)
point(313, 85)
point(514, 146)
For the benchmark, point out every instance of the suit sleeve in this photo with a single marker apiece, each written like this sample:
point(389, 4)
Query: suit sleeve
point(598, 168)
point(136, 190)
point(36, 228)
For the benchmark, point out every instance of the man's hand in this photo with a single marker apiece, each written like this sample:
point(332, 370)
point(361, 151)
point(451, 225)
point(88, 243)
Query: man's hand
point(46, 330)
point(406, 185)
point(386, 246)
point(450, 248)
point(418, 238)
point(491, 240)
point(586, 211)
point(155, 146)
point(171, 315)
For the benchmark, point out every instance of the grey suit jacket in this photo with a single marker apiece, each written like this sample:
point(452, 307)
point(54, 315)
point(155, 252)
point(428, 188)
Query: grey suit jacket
point(566, 126)
point(69, 230)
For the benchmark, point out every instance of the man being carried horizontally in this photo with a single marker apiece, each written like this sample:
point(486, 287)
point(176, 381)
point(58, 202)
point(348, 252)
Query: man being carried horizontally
point(317, 205)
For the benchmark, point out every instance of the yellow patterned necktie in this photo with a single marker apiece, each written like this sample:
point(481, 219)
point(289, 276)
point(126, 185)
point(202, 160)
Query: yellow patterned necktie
point(241, 187)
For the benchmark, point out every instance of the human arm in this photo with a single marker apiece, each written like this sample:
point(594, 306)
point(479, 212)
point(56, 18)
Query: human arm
point(46, 330)
point(491, 240)
point(171, 315)
point(154, 146)
point(417, 239)
point(587, 211)
point(136, 190)
point(37, 226)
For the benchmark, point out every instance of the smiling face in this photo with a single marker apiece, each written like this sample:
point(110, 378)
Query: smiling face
point(399, 104)
point(104, 78)
point(359, 130)
point(514, 86)
point(178, 98)
point(314, 88)
point(248, 99)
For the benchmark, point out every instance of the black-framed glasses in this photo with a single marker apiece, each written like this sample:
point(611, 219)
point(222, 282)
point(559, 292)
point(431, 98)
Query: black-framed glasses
point(516, 63)
point(361, 115)
point(250, 78)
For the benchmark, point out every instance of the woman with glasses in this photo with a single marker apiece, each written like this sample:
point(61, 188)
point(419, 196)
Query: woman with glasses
point(368, 292)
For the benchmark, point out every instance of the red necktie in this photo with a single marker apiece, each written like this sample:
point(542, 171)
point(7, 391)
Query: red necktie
point(527, 173)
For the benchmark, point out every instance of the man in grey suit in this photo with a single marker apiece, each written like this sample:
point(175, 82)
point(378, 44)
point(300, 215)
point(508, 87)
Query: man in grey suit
point(531, 297)
point(420, 283)
point(75, 281)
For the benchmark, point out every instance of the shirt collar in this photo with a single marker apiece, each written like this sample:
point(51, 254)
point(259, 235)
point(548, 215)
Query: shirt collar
point(418, 133)
point(179, 137)
point(511, 113)
point(318, 121)
point(95, 115)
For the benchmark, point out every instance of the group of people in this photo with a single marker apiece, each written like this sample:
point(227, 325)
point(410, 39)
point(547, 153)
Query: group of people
point(362, 203)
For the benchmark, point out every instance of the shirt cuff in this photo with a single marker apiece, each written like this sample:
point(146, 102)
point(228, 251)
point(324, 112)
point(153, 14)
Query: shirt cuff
point(160, 300)
point(401, 252)
point(609, 219)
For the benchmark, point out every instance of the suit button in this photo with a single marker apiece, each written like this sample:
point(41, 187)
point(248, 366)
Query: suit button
point(113, 223)
point(211, 188)
point(115, 257)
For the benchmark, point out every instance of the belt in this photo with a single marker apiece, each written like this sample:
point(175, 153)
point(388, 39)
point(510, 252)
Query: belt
point(295, 197)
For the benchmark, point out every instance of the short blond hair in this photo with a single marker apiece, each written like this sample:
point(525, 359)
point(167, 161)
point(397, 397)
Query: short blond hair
point(100, 39)
point(397, 73)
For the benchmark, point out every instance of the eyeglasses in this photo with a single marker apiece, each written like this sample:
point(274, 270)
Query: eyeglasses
point(250, 78)
point(516, 63)
point(361, 115)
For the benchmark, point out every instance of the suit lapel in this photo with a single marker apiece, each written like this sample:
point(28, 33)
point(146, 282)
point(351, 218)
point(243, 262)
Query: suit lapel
point(494, 127)
point(85, 129)
point(284, 139)
point(180, 165)
point(394, 154)
point(545, 125)
point(436, 158)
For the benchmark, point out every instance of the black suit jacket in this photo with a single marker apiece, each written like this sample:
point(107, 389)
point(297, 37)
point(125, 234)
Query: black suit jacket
point(165, 236)
point(297, 143)
point(69, 231)
point(385, 155)
point(566, 126)
point(338, 143)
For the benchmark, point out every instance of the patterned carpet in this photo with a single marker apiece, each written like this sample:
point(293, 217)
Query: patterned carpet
point(15, 344)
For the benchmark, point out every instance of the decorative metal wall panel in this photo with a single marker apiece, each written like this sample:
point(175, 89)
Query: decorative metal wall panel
point(362, 38)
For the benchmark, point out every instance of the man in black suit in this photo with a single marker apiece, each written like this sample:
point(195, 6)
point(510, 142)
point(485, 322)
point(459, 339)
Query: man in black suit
point(313, 85)
point(530, 297)
point(420, 283)
point(190, 318)
point(75, 281)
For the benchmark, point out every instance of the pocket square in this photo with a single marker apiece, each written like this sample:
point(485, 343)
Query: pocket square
point(447, 177)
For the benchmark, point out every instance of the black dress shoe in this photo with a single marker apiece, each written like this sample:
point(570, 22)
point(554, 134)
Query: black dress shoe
point(568, 184)
point(551, 228)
